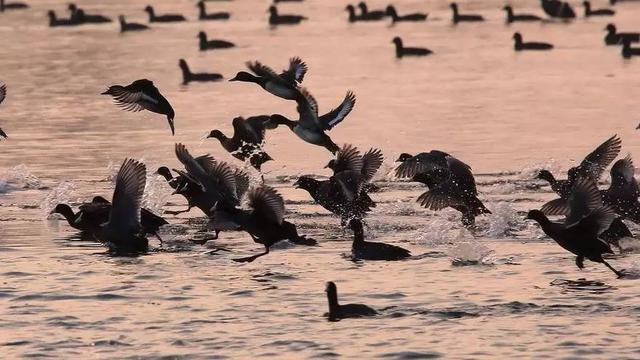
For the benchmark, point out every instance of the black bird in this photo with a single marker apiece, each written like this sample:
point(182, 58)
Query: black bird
point(558, 9)
point(391, 12)
point(615, 38)
point(188, 76)
point(3, 94)
point(247, 141)
point(599, 12)
point(519, 45)
point(163, 18)
point(212, 16)
point(622, 195)
point(463, 18)
point(338, 312)
point(54, 21)
point(402, 51)
point(12, 6)
point(354, 170)
point(628, 51)
point(79, 16)
point(580, 233)
point(368, 250)
point(142, 95)
point(91, 216)
point(264, 220)
point(379, 14)
point(511, 17)
point(205, 44)
point(284, 85)
point(125, 26)
point(450, 182)
point(123, 233)
point(592, 167)
point(310, 127)
point(362, 17)
point(276, 19)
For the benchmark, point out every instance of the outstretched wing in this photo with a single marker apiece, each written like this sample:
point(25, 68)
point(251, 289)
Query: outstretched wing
point(267, 203)
point(594, 164)
point(295, 73)
point(335, 116)
point(371, 162)
point(127, 197)
point(3, 92)
point(263, 71)
point(584, 199)
point(348, 158)
point(434, 162)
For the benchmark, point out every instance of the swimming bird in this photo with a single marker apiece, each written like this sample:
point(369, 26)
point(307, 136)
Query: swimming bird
point(125, 26)
point(338, 312)
point(369, 250)
point(284, 85)
point(457, 17)
point(615, 38)
point(263, 220)
point(402, 51)
point(511, 17)
point(188, 76)
point(628, 51)
point(588, 218)
point(123, 233)
point(391, 12)
point(558, 9)
point(519, 45)
point(3, 94)
point(247, 141)
point(378, 14)
point(362, 17)
point(79, 16)
point(12, 6)
point(212, 16)
point(450, 183)
point(310, 127)
point(277, 19)
point(162, 18)
point(54, 21)
point(142, 95)
point(599, 12)
point(205, 44)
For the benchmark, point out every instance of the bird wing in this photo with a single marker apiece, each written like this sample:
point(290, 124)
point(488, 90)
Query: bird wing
point(3, 92)
point(439, 197)
point(308, 110)
point(127, 196)
point(371, 162)
point(264, 71)
point(349, 182)
point(584, 199)
point(596, 222)
point(249, 132)
point(242, 183)
point(335, 116)
point(597, 161)
point(206, 161)
point(555, 207)
point(424, 163)
point(624, 169)
point(195, 169)
point(295, 73)
point(267, 203)
point(461, 175)
point(348, 158)
point(224, 176)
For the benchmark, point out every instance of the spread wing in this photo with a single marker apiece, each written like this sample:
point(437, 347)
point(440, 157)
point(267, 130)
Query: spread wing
point(335, 116)
point(3, 92)
point(130, 100)
point(348, 158)
point(371, 162)
point(424, 163)
point(127, 197)
point(267, 203)
point(597, 161)
point(584, 199)
point(264, 71)
point(295, 73)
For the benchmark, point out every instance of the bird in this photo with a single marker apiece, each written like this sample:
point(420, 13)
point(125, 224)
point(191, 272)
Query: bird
point(391, 12)
point(188, 76)
point(12, 6)
point(247, 141)
point(142, 95)
point(450, 183)
point(263, 220)
point(463, 18)
point(511, 17)
point(599, 12)
point(123, 233)
point(519, 45)
point(310, 127)
point(402, 51)
point(338, 312)
point(368, 250)
point(162, 18)
point(205, 44)
point(54, 21)
point(355, 170)
point(212, 16)
point(277, 19)
point(125, 26)
point(615, 38)
point(3, 95)
point(283, 85)
point(580, 233)
point(362, 17)
point(92, 215)
point(79, 16)
point(628, 51)
point(558, 9)
point(379, 14)
point(623, 192)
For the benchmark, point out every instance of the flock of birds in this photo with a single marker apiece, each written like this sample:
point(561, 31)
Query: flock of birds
point(594, 218)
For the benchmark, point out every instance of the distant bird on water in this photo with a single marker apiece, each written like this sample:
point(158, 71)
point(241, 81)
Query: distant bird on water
point(511, 17)
point(588, 12)
point(125, 26)
point(3, 94)
point(54, 21)
point(457, 17)
point(163, 18)
point(12, 5)
point(283, 85)
point(278, 19)
point(338, 312)
point(365, 12)
point(558, 9)
point(311, 127)
point(353, 17)
point(142, 95)
point(188, 76)
point(211, 16)
point(616, 38)
point(79, 16)
point(520, 45)
point(628, 51)
point(580, 233)
point(391, 12)
point(206, 44)
point(402, 51)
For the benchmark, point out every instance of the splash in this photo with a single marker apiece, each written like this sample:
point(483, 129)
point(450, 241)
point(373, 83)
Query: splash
point(470, 253)
point(19, 177)
point(63, 193)
point(503, 188)
point(530, 171)
point(502, 220)
point(156, 193)
point(442, 231)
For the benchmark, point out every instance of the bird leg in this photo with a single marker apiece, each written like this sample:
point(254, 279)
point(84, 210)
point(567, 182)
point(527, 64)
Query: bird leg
point(618, 273)
point(176, 212)
point(159, 238)
point(580, 262)
point(252, 258)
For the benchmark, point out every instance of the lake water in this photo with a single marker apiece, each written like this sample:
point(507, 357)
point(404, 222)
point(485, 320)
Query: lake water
point(504, 113)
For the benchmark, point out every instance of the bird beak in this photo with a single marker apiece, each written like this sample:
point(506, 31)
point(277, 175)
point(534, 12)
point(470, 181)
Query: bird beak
point(234, 79)
point(296, 184)
point(171, 125)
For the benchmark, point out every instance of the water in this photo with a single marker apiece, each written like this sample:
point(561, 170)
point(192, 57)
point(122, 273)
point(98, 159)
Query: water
point(505, 290)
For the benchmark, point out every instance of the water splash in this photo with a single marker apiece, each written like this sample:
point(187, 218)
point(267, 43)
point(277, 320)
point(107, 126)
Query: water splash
point(156, 193)
point(471, 253)
point(530, 171)
point(442, 231)
point(65, 192)
point(18, 177)
point(502, 220)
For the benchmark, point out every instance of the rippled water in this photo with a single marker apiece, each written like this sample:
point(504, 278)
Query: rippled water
point(501, 291)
